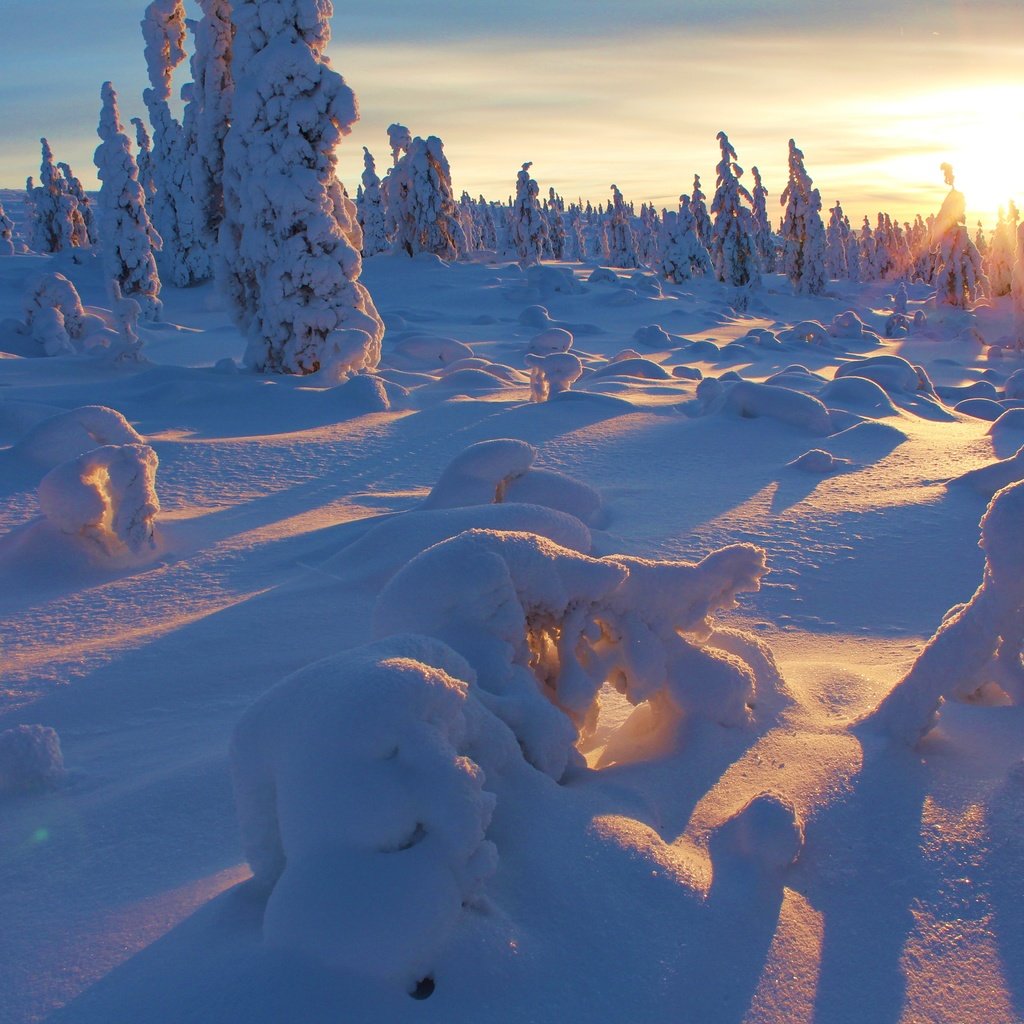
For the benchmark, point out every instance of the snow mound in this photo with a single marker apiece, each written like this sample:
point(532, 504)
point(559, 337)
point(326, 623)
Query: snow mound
point(360, 809)
point(987, 480)
point(1011, 421)
point(750, 400)
point(106, 496)
point(1014, 386)
point(554, 339)
point(979, 409)
point(858, 394)
point(977, 647)
point(892, 374)
point(552, 374)
point(848, 325)
point(654, 336)
point(425, 352)
point(807, 332)
point(30, 759)
point(69, 434)
point(545, 627)
point(554, 281)
point(767, 831)
point(818, 461)
point(646, 369)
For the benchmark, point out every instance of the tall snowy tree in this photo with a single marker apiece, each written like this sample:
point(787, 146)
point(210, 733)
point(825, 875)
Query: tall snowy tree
point(73, 186)
point(529, 226)
point(212, 89)
point(422, 211)
point(762, 223)
point(733, 247)
point(184, 260)
point(622, 251)
point(371, 209)
point(959, 278)
point(144, 160)
point(803, 233)
point(287, 265)
point(1017, 290)
point(999, 261)
point(128, 238)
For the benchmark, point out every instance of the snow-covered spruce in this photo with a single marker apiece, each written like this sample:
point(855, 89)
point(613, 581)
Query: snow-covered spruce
point(978, 645)
point(210, 109)
point(361, 808)
point(803, 233)
point(371, 209)
point(86, 230)
point(183, 259)
point(129, 237)
point(6, 233)
point(622, 248)
point(56, 224)
point(423, 215)
point(144, 160)
point(999, 260)
point(959, 278)
point(764, 238)
point(54, 314)
point(699, 209)
point(733, 243)
point(1017, 290)
point(836, 238)
point(528, 224)
point(680, 254)
point(545, 627)
point(30, 759)
point(286, 263)
point(107, 496)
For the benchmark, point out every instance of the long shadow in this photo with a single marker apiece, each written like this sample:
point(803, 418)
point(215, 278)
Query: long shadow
point(865, 885)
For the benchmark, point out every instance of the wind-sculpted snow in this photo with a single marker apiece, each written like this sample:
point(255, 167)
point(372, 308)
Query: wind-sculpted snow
point(750, 400)
point(106, 496)
point(545, 627)
point(978, 645)
point(362, 809)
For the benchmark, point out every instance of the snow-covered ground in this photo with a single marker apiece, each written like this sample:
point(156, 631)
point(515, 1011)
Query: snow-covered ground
point(419, 813)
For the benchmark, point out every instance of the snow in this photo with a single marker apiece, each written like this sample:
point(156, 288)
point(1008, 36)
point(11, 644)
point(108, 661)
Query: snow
point(557, 710)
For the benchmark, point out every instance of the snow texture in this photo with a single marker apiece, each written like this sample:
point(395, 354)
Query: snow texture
point(30, 759)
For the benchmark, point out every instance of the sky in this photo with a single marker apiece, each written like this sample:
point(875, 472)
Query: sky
point(594, 92)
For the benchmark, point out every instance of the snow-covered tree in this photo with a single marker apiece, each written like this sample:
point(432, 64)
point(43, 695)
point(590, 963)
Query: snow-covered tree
point(529, 226)
point(127, 235)
point(836, 237)
point(762, 223)
point(212, 89)
point(556, 225)
point(959, 278)
point(144, 160)
point(621, 240)
point(733, 247)
point(287, 265)
point(852, 255)
point(999, 263)
point(1017, 290)
point(184, 259)
point(803, 233)
point(422, 211)
point(680, 253)
point(400, 139)
point(6, 233)
point(371, 209)
point(699, 209)
point(84, 211)
point(54, 225)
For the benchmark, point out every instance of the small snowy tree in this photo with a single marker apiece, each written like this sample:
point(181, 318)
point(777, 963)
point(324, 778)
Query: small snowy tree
point(999, 263)
point(680, 253)
point(529, 226)
point(6, 233)
point(54, 226)
point(128, 236)
point(287, 265)
point(836, 239)
point(421, 204)
point(84, 210)
point(698, 206)
point(371, 209)
point(803, 233)
point(1017, 290)
point(959, 278)
point(556, 225)
point(733, 245)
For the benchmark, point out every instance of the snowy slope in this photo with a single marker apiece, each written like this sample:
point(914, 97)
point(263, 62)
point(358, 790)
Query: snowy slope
point(629, 889)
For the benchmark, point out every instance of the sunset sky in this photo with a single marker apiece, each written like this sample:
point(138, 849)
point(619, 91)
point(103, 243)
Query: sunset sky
point(876, 94)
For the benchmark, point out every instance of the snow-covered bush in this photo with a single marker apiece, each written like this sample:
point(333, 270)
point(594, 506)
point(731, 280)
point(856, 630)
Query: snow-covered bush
point(287, 265)
point(55, 316)
point(423, 215)
point(129, 237)
point(552, 374)
point(67, 435)
point(803, 233)
point(107, 496)
point(526, 218)
point(30, 759)
point(545, 627)
point(733, 245)
point(978, 644)
point(361, 808)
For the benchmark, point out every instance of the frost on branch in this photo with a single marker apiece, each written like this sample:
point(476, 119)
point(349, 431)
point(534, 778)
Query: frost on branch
point(107, 496)
point(129, 237)
point(362, 805)
point(978, 644)
point(545, 627)
point(288, 266)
